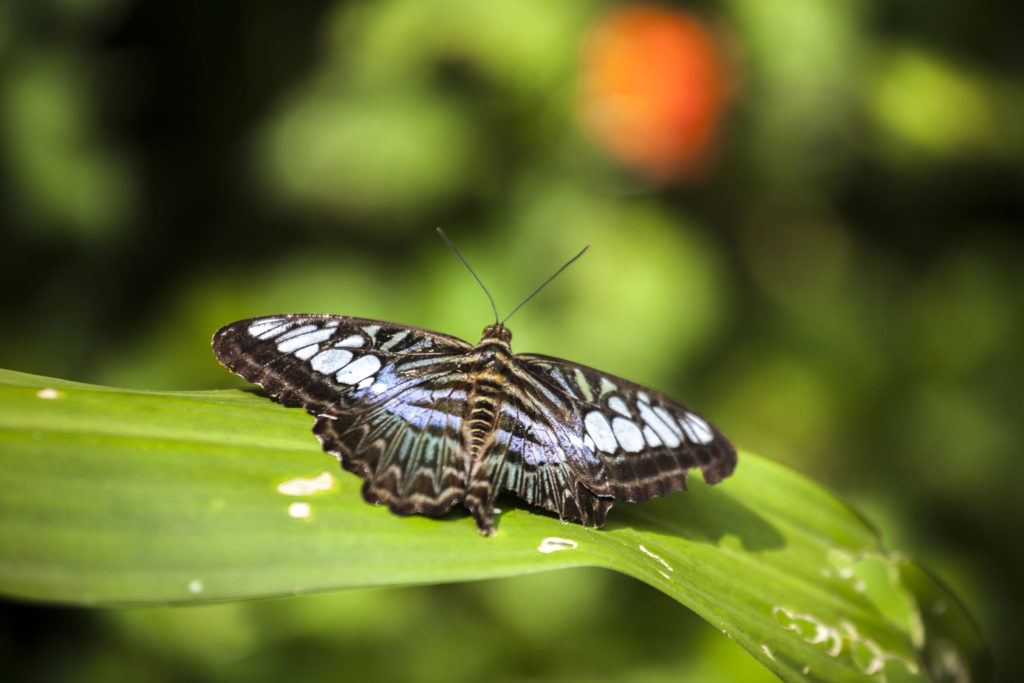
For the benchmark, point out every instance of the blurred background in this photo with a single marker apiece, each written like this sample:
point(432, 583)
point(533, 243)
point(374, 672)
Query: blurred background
point(804, 221)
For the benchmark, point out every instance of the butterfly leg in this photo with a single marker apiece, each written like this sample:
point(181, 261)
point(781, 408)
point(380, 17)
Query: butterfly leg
point(480, 497)
point(483, 515)
point(599, 510)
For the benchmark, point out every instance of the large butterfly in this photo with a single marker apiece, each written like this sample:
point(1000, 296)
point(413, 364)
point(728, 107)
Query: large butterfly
point(429, 420)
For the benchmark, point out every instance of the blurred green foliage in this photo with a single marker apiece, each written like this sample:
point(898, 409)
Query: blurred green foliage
point(843, 293)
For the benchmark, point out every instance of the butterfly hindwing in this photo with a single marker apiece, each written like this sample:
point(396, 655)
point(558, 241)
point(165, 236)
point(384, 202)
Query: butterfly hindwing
point(536, 451)
point(405, 442)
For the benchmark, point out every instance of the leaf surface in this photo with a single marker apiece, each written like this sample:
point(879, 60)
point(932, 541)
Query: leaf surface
point(114, 497)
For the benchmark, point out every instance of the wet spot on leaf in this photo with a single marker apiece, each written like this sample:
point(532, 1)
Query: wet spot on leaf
point(877, 577)
point(306, 487)
point(553, 544)
point(656, 558)
point(837, 639)
point(299, 510)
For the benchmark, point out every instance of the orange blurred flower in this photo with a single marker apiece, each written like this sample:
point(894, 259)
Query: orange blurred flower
point(654, 88)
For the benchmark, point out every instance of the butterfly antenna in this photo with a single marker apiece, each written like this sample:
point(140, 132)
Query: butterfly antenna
point(557, 273)
point(489, 297)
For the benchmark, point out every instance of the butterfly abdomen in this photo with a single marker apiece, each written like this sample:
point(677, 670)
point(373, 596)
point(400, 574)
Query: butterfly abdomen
point(480, 427)
point(483, 411)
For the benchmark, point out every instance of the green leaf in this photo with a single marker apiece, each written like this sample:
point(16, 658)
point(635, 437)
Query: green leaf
point(114, 497)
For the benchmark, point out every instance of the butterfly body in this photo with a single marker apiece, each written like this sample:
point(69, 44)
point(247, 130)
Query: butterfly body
point(430, 421)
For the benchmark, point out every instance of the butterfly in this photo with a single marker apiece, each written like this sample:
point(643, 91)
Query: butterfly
point(429, 420)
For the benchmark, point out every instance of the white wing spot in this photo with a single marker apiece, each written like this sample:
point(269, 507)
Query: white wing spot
point(559, 378)
point(331, 360)
point(379, 388)
point(600, 431)
point(628, 434)
point(583, 385)
point(294, 343)
point(359, 369)
point(667, 436)
point(302, 329)
point(300, 510)
point(553, 544)
point(365, 383)
point(306, 487)
point(697, 429)
point(256, 329)
point(651, 437)
point(643, 397)
point(352, 341)
point(395, 338)
point(307, 352)
point(607, 387)
point(619, 406)
point(687, 430)
point(588, 442)
point(48, 392)
point(276, 330)
point(669, 421)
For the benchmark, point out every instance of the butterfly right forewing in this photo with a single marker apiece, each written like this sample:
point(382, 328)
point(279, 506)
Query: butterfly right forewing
point(636, 443)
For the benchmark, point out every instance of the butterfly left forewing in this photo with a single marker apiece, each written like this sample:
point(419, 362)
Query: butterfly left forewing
point(320, 361)
point(635, 443)
point(388, 398)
